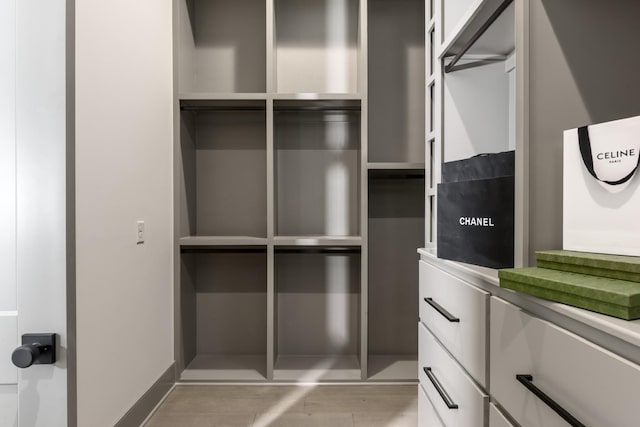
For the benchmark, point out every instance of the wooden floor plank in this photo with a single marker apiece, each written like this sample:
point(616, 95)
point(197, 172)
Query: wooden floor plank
point(285, 406)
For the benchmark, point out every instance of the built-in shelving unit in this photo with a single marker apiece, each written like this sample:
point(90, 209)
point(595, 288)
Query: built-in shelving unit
point(299, 188)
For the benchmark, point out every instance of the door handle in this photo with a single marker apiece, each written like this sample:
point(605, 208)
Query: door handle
point(36, 349)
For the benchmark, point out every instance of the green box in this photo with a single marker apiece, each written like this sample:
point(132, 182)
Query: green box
point(618, 298)
point(602, 265)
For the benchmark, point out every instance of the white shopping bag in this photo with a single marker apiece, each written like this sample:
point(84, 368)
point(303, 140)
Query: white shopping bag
point(602, 188)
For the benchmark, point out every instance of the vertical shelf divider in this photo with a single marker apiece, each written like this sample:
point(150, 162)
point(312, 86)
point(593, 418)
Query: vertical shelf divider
point(364, 189)
point(271, 294)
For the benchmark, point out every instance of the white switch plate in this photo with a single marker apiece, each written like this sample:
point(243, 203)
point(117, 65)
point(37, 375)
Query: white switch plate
point(140, 232)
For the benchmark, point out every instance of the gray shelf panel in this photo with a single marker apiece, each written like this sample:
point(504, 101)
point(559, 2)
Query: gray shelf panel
point(210, 367)
point(317, 368)
point(228, 96)
point(335, 241)
point(313, 96)
point(223, 104)
point(393, 367)
point(395, 165)
point(195, 241)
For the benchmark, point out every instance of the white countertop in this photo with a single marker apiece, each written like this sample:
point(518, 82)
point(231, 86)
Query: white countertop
point(626, 330)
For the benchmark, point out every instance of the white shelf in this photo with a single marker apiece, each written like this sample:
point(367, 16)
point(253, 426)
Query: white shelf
point(497, 40)
point(393, 367)
point(318, 241)
point(207, 367)
point(317, 368)
point(222, 241)
point(394, 166)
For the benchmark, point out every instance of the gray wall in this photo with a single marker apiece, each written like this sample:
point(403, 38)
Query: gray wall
point(584, 68)
point(124, 128)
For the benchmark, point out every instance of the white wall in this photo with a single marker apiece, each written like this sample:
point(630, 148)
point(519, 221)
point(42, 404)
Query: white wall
point(123, 174)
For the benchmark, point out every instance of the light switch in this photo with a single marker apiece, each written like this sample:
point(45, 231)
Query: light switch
point(140, 230)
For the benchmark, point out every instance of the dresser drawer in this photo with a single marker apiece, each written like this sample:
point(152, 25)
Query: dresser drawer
point(496, 419)
point(593, 385)
point(427, 415)
point(456, 313)
point(456, 398)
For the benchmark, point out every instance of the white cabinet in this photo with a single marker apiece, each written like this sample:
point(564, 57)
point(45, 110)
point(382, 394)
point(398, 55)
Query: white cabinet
point(592, 384)
point(455, 396)
point(496, 418)
point(456, 313)
point(427, 415)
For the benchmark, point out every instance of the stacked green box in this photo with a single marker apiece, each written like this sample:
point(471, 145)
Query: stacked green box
point(607, 284)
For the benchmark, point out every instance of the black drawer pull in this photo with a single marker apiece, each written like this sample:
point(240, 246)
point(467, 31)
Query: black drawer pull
point(527, 381)
point(443, 394)
point(450, 317)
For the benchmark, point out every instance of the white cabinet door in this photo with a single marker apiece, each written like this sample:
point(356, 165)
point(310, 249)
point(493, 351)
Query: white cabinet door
point(496, 419)
point(427, 416)
point(455, 396)
point(33, 186)
point(593, 385)
point(456, 313)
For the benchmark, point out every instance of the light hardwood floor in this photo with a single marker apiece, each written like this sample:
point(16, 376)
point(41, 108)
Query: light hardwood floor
point(289, 406)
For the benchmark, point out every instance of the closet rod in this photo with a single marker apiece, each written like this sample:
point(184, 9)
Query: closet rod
point(450, 67)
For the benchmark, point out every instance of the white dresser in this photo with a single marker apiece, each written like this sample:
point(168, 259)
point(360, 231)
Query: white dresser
point(493, 357)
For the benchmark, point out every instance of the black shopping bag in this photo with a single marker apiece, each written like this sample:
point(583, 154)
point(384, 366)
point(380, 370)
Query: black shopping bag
point(476, 216)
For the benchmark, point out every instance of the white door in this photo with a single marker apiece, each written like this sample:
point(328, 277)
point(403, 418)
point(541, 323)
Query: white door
point(33, 190)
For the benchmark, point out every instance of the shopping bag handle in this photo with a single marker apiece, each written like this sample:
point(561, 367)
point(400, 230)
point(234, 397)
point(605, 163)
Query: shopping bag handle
point(587, 157)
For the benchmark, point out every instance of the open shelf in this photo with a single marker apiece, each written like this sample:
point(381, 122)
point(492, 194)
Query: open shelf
point(316, 46)
point(396, 231)
point(224, 315)
point(479, 110)
point(216, 54)
point(223, 171)
point(317, 164)
point(317, 315)
point(396, 69)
